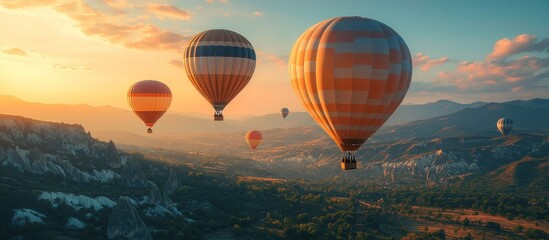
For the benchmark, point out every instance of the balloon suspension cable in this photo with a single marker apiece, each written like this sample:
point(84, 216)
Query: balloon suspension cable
point(218, 115)
point(149, 130)
point(348, 161)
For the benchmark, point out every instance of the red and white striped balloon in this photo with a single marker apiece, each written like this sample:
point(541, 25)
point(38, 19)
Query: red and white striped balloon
point(253, 138)
point(149, 100)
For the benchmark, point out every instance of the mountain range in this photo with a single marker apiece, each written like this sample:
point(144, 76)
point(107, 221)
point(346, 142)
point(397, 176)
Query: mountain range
point(105, 121)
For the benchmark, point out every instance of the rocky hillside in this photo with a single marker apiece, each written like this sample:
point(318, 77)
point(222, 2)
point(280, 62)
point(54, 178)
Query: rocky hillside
point(58, 179)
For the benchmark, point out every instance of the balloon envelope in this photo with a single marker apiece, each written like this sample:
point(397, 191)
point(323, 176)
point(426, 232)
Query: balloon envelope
point(284, 112)
point(351, 73)
point(219, 64)
point(504, 125)
point(149, 100)
point(253, 138)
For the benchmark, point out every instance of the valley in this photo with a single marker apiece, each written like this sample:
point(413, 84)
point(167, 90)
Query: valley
point(59, 181)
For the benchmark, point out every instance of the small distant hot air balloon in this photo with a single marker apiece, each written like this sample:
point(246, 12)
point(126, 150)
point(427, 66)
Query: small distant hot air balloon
point(504, 125)
point(253, 138)
point(149, 100)
point(284, 112)
point(219, 64)
point(351, 74)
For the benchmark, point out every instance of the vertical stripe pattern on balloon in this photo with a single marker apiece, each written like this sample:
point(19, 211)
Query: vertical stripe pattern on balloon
point(351, 74)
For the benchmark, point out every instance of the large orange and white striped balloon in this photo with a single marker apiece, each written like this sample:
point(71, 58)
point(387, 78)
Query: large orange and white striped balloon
point(149, 100)
point(253, 138)
point(219, 63)
point(351, 74)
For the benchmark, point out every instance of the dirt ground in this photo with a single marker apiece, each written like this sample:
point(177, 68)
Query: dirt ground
point(429, 219)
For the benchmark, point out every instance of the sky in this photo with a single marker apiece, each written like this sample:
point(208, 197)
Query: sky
point(92, 51)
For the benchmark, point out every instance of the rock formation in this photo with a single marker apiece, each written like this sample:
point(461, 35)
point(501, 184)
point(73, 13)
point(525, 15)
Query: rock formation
point(125, 222)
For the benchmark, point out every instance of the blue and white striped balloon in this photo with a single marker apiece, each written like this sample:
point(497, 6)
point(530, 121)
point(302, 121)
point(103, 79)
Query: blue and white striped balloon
point(505, 125)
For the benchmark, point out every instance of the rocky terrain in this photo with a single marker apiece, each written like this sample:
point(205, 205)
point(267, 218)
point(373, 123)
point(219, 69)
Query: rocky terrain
point(52, 168)
point(59, 180)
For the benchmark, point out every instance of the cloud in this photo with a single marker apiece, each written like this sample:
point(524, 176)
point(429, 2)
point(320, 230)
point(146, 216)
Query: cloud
point(68, 67)
point(139, 35)
point(221, 1)
point(278, 60)
point(526, 72)
point(177, 64)
point(425, 63)
point(508, 68)
point(170, 11)
point(116, 29)
point(15, 52)
point(258, 13)
point(14, 4)
point(523, 43)
point(117, 4)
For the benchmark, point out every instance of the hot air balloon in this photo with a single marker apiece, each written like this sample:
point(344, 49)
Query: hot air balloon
point(149, 100)
point(351, 74)
point(253, 138)
point(504, 125)
point(284, 112)
point(219, 64)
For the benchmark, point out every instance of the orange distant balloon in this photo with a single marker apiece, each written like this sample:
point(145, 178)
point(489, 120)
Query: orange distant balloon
point(149, 100)
point(253, 138)
point(219, 63)
point(351, 74)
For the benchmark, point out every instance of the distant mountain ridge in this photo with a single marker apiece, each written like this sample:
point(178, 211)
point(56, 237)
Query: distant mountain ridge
point(105, 121)
point(528, 116)
point(412, 112)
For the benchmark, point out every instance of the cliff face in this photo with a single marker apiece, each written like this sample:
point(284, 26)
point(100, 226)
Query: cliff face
point(125, 222)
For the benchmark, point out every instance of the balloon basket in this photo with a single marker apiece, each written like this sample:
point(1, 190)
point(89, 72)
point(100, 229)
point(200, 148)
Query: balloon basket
point(348, 165)
point(218, 118)
point(348, 162)
point(149, 130)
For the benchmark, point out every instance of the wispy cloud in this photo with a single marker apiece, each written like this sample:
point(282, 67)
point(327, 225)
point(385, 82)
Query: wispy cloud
point(117, 4)
point(425, 62)
point(14, 4)
point(258, 13)
point(69, 67)
point(278, 60)
point(15, 51)
point(170, 11)
point(177, 64)
point(221, 1)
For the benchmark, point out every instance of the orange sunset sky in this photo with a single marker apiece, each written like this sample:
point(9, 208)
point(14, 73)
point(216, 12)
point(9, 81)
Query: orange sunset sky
point(90, 52)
